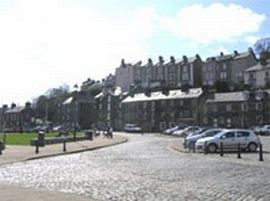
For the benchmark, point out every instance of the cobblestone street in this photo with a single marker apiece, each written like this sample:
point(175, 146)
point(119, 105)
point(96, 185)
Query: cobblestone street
point(145, 168)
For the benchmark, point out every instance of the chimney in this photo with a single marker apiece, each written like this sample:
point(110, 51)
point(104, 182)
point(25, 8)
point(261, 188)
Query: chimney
point(185, 59)
point(27, 104)
point(123, 63)
point(197, 56)
point(235, 53)
point(221, 54)
point(172, 59)
point(160, 59)
point(150, 61)
point(5, 106)
point(13, 105)
point(250, 50)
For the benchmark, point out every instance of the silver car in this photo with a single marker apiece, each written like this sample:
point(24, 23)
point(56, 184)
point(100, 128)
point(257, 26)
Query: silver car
point(230, 138)
point(189, 142)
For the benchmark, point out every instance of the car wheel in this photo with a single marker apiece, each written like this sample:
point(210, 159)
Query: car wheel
point(212, 148)
point(252, 147)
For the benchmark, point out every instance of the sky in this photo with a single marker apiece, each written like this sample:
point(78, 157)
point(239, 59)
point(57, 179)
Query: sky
point(47, 43)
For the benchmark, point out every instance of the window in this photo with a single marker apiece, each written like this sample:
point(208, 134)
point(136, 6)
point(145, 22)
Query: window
point(214, 108)
point(171, 124)
point(221, 120)
point(223, 75)
point(242, 134)
point(228, 107)
point(185, 69)
point(181, 102)
point(259, 119)
point(244, 107)
point(228, 135)
point(224, 66)
point(152, 106)
point(259, 106)
point(162, 126)
point(239, 74)
point(185, 76)
point(267, 74)
point(187, 113)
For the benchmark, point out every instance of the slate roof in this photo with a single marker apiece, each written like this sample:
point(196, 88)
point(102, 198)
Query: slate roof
point(259, 67)
point(173, 94)
point(15, 109)
point(68, 101)
point(227, 97)
point(241, 55)
point(230, 56)
point(116, 92)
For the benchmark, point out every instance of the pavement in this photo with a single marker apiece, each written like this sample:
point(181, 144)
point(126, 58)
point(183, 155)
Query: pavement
point(13, 154)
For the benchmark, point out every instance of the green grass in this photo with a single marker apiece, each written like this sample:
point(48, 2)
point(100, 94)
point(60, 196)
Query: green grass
point(25, 138)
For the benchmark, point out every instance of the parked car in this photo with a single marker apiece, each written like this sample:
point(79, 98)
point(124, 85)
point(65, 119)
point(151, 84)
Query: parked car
point(190, 141)
point(196, 132)
point(169, 131)
point(256, 129)
point(132, 128)
point(230, 138)
point(184, 132)
point(264, 130)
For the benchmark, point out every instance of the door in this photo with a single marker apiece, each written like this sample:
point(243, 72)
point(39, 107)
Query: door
point(229, 140)
point(242, 138)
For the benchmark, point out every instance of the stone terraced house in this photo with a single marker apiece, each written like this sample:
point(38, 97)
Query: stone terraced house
point(242, 109)
point(155, 111)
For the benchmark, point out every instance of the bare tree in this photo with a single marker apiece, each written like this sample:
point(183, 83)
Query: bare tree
point(262, 48)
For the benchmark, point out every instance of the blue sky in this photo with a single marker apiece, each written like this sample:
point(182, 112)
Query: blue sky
point(47, 43)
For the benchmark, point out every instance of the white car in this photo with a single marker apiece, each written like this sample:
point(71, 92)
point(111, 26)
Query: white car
point(230, 138)
point(133, 128)
point(184, 132)
point(169, 131)
point(265, 130)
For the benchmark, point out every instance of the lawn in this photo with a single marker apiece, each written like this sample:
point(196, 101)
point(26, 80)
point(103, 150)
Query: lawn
point(25, 138)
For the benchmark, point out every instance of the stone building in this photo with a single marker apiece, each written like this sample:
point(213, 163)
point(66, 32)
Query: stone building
point(108, 107)
point(155, 111)
point(241, 109)
point(18, 118)
point(258, 76)
point(78, 111)
point(189, 71)
point(227, 69)
point(125, 75)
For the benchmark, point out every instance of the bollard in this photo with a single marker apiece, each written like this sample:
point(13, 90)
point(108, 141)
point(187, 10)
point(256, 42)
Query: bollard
point(2, 146)
point(238, 151)
point(37, 148)
point(193, 148)
point(221, 149)
point(64, 146)
point(260, 153)
point(205, 148)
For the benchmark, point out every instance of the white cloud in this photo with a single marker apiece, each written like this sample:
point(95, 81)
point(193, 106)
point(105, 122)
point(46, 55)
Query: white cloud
point(251, 40)
point(47, 43)
point(213, 23)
